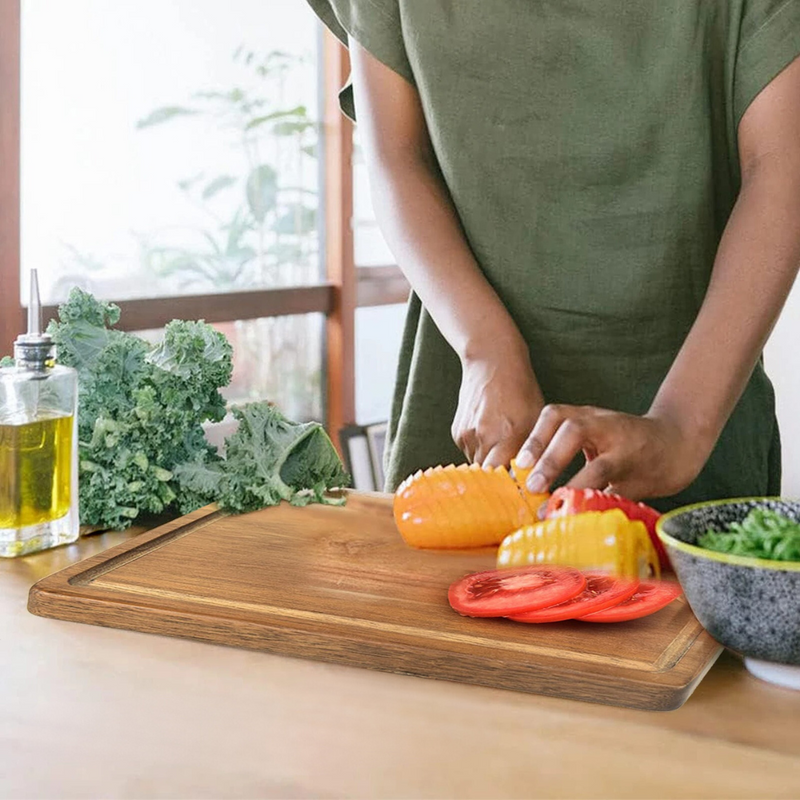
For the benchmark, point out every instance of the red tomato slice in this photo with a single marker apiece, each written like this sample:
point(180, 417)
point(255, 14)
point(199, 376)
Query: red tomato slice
point(647, 599)
point(503, 592)
point(601, 591)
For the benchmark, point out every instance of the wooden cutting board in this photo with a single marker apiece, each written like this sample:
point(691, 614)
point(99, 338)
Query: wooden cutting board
point(338, 584)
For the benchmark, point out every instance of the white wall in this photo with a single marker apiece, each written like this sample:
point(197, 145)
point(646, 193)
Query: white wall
point(378, 334)
point(782, 360)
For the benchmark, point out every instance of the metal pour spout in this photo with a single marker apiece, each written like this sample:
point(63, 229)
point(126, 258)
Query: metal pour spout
point(34, 350)
point(34, 307)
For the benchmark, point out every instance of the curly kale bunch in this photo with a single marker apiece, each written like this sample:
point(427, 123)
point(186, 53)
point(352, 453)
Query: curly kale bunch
point(140, 408)
point(140, 414)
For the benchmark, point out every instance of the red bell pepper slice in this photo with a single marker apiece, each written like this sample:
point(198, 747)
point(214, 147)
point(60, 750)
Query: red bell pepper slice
point(566, 501)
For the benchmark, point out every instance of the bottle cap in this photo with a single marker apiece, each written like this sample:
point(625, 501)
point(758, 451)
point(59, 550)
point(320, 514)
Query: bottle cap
point(34, 350)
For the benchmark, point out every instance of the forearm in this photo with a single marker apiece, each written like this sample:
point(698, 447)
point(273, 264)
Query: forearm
point(422, 229)
point(755, 267)
point(416, 214)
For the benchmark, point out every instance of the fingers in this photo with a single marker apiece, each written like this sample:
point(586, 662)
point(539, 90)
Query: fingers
point(613, 472)
point(543, 431)
point(565, 444)
point(464, 436)
point(560, 434)
point(488, 445)
point(501, 454)
point(487, 453)
point(627, 453)
point(469, 444)
point(485, 450)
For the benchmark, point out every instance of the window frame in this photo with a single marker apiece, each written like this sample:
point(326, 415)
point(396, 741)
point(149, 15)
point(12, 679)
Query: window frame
point(11, 312)
point(345, 288)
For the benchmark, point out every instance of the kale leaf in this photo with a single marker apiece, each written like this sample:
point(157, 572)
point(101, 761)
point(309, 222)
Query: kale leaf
point(268, 459)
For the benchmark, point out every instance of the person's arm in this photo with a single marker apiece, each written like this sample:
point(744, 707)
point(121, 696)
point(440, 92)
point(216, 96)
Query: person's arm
point(500, 399)
point(662, 452)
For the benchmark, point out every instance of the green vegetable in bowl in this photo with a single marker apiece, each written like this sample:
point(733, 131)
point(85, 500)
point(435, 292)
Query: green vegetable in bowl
point(763, 533)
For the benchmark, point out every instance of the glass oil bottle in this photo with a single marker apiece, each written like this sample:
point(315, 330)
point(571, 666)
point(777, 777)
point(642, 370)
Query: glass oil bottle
point(38, 444)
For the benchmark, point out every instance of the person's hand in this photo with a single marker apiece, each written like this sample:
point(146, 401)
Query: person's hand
point(498, 404)
point(637, 457)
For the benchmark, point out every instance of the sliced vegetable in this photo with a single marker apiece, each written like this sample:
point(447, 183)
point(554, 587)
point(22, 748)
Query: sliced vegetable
point(566, 501)
point(606, 541)
point(763, 533)
point(521, 473)
point(464, 506)
point(501, 593)
point(601, 591)
point(647, 599)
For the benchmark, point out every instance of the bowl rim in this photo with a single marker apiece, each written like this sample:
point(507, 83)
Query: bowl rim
point(715, 555)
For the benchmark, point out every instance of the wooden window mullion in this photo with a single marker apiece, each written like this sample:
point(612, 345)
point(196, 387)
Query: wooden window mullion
point(11, 315)
point(339, 246)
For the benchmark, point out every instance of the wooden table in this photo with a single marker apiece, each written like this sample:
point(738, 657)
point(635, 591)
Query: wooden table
point(94, 712)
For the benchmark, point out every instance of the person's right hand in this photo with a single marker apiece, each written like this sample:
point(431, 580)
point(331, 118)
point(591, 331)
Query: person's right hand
point(498, 405)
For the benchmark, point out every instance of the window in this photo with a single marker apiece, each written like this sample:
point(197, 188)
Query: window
point(168, 158)
point(166, 149)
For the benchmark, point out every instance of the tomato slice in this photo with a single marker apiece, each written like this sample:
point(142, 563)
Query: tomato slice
point(601, 591)
point(503, 592)
point(647, 599)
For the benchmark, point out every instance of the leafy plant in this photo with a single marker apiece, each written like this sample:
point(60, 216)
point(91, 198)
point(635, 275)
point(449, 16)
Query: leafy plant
point(141, 409)
point(268, 234)
point(267, 460)
point(262, 226)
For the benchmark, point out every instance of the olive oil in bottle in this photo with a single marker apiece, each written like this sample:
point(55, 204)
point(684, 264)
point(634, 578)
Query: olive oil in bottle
point(38, 445)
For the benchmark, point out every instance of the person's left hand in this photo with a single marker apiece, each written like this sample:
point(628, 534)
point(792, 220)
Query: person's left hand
point(637, 457)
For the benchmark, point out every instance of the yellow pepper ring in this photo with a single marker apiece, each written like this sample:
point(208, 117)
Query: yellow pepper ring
point(606, 541)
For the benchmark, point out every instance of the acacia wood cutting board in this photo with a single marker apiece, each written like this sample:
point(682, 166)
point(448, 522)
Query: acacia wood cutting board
point(338, 584)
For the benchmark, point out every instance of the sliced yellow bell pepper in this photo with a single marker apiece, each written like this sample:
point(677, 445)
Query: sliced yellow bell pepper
point(596, 540)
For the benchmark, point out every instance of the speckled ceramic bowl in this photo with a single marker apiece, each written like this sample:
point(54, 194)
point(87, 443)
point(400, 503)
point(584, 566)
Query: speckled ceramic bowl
point(750, 605)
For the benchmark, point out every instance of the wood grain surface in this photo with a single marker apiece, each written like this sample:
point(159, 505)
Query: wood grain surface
point(337, 584)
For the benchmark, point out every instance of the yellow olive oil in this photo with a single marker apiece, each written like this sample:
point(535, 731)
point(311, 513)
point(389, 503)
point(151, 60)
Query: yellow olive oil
point(38, 443)
point(35, 471)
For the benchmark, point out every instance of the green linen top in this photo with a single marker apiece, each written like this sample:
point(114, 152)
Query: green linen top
point(590, 148)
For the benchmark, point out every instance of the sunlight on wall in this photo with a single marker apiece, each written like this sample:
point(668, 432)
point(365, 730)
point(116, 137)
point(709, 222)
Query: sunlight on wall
point(782, 361)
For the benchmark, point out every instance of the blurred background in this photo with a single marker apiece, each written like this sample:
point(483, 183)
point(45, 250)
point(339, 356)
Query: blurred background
point(175, 155)
point(178, 150)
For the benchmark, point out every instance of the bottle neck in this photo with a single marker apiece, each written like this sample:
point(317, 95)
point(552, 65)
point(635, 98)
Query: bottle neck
point(34, 354)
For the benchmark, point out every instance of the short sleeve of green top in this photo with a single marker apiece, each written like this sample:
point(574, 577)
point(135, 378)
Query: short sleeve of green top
point(590, 148)
point(376, 25)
